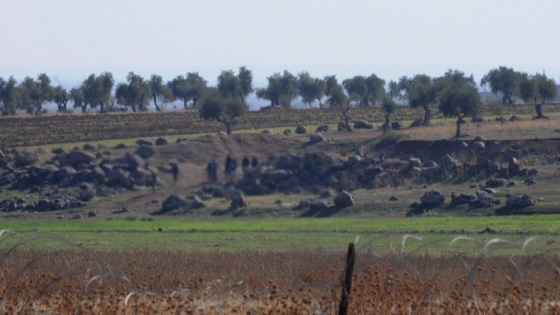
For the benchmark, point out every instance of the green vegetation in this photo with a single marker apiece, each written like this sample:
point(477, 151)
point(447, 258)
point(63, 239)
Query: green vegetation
point(273, 234)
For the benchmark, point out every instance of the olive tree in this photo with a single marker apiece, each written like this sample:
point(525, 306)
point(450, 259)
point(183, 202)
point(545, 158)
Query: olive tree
point(226, 110)
point(60, 97)
point(539, 89)
point(503, 80)
point(458, 97)
point(97, 90)
point(389, 107)
point(188, 89)
point(33, 94)
point(9, 94)
point(338, 99)
point(159, 91)
point(311, 89)
point(281, 89)
point(136, 94)
point(421, 92)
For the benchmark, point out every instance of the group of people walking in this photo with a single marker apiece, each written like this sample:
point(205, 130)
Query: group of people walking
point(230, 166)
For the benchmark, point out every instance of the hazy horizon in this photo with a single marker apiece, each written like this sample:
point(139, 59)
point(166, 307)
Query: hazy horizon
point(68, 40)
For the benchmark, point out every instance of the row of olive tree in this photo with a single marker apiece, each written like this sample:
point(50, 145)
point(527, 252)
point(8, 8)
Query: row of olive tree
point(456, 94)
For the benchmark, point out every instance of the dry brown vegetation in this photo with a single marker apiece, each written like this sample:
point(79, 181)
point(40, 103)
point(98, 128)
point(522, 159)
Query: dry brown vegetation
point(140, 282)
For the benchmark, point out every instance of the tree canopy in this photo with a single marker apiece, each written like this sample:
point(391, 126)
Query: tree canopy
point(97, 90)
point(311, 89)
point(503, 80)
point(459, 97)
point(214, 106)
point(539, 89)
point(136, 94)
point(421, 91)
point(282, 89)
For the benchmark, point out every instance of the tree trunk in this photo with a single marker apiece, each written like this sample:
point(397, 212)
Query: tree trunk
point(346, 119)
point(427, 115)
point(155, 104)
point(458, 132)
point(387, 123)
point(538, 110)
point(228, 127)
point(185, 104)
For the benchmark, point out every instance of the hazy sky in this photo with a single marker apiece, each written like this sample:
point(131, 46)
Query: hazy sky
point(70, 39)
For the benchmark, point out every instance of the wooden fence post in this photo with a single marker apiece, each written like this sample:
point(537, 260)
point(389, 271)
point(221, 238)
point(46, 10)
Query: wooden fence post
point(347, 284)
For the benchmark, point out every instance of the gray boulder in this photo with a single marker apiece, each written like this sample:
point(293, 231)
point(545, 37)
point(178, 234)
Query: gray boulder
point(87, 192)
point(238, 201)
point(144, 142)
point(300, 130)
point(77, 158)
point(478, 146)
point(396, 125)
point(161, 141)
point(417, 122)
point(362, 124)
point(287, 132)
point(462, 198)
point(267, 132)
point(145, 151)
point(519, 201)
point(172, 202)
point(322, 128)
point(316, 138)
point(197, 203)
point(496, 182)
point(343, 199)
point(25, 158)
point(485, 200)
point(432, 198)
point(414, 162)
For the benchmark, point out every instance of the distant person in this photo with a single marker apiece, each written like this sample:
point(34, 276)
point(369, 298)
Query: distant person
point(212, 171)
point(175, 172)
point(245, 163)
point(254, 162)
point(227, 166)
point(232, 168)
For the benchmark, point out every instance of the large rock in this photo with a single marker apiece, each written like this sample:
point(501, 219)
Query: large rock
point(415, 162)
point(362, 124)
point(514, 167)
point(519, 201)
point(161, 141)
point(343, 199)
point(238, 201)
point(396, 125)
point(145, 151)
point(484, 200)
point(300, 130)
point(417, 122)
point(432, 198)
point(172, 202)
point(77, 158)
point(197, 203)
point(449, 163)
point(87, 192)
point(462, 198)
point(25, 158)
point(496, 182)
point(316, 138)
point(322, 128)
